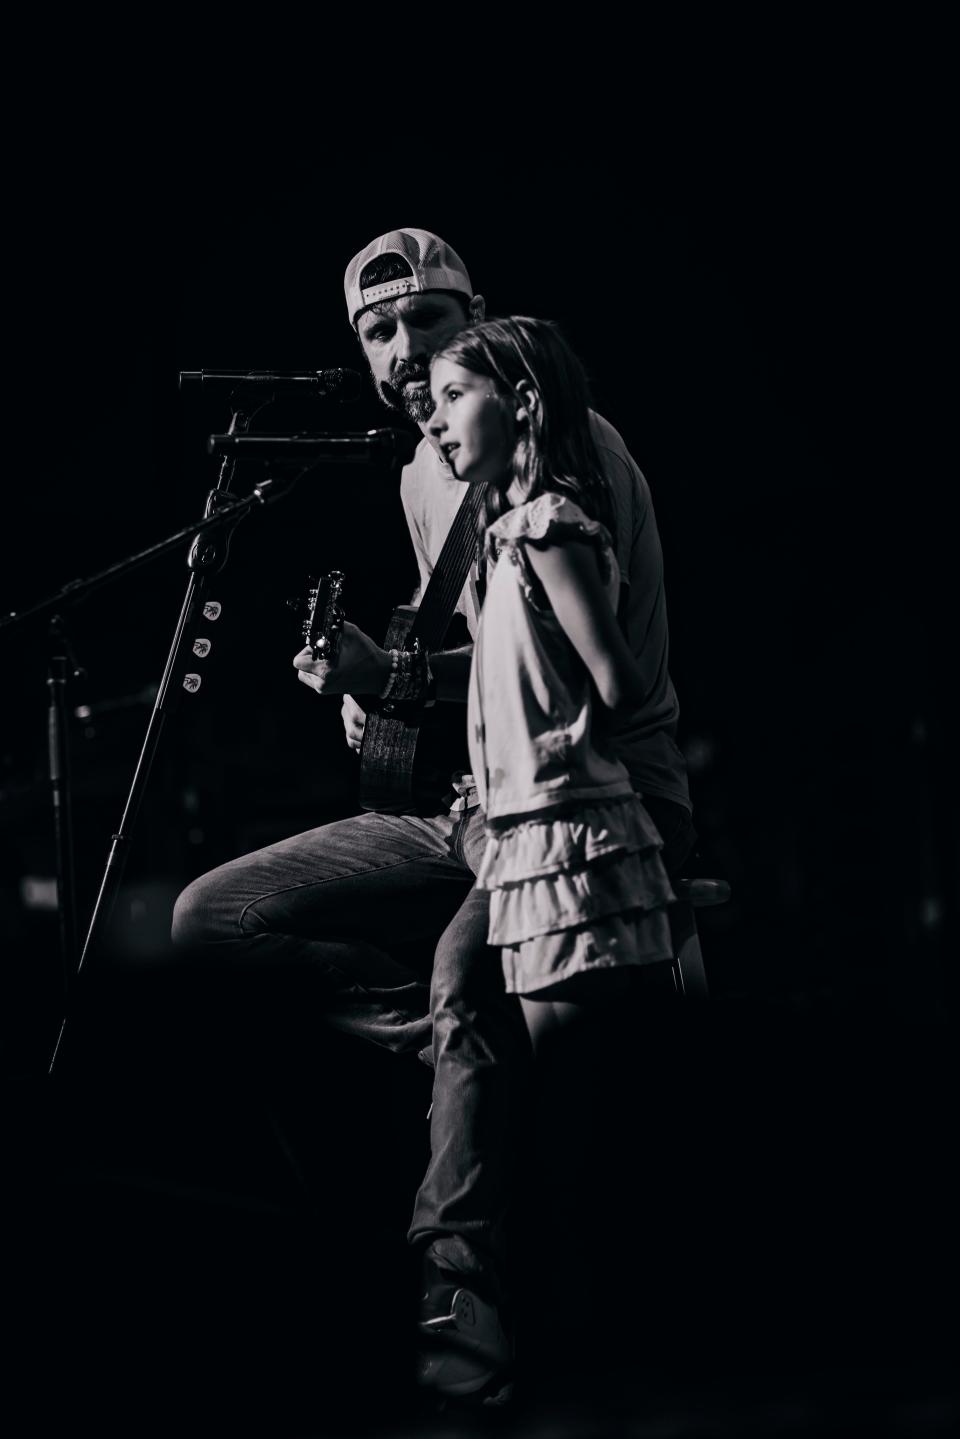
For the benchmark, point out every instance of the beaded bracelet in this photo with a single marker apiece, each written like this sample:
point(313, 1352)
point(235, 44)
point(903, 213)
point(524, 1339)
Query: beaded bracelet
point(410, 678)
point(392, 676)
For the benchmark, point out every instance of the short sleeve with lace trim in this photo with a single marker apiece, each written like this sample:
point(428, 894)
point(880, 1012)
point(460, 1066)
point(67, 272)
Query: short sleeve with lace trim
point(553, 517)
point(550, 517)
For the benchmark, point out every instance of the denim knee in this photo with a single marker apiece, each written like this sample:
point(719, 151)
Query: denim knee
point(194, 914)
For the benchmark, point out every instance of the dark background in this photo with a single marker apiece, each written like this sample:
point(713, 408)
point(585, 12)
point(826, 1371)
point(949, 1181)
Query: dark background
point(739, 280)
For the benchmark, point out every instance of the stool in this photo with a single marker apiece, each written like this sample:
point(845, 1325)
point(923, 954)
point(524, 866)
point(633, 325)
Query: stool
point(689, 975)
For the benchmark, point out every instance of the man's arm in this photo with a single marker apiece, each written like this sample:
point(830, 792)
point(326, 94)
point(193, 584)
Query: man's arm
point(365, 667)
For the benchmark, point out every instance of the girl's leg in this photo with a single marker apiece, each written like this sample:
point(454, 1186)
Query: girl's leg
point(563, 1012)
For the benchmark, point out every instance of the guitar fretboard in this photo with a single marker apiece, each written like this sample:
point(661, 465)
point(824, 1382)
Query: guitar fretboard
point(449, 576)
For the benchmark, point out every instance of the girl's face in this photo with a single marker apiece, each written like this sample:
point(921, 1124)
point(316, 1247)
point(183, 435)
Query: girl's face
point(472, 425)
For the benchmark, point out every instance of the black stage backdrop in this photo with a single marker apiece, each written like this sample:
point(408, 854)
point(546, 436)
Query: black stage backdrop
point(736, 292)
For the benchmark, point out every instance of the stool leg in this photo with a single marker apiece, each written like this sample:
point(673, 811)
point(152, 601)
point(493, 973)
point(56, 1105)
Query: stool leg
point(688, 970)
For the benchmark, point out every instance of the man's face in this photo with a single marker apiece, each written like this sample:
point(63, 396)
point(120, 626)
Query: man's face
point(398, 339)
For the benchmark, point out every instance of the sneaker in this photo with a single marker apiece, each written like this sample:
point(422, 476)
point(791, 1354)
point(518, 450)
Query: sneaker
point(465, 1351)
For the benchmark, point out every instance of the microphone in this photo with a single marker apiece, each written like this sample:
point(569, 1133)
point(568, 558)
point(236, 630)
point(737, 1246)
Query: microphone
point(339, 384)
point(373, 447)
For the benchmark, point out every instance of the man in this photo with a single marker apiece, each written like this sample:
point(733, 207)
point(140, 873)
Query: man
point(338, 896)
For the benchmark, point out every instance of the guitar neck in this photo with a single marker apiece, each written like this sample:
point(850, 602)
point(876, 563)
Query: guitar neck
point(449, 576)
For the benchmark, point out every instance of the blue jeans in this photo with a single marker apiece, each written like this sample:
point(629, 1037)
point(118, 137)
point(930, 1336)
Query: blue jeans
point(383, 908)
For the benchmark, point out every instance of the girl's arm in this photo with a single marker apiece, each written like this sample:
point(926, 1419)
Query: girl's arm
point(571, 580)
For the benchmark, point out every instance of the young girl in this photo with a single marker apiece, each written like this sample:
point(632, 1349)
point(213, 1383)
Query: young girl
point(578, 892)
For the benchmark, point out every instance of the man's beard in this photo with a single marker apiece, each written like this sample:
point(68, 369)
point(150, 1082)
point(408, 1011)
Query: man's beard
point(396, 395)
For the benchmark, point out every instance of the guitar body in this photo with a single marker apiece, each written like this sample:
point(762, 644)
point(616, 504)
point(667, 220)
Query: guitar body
point(408, 754)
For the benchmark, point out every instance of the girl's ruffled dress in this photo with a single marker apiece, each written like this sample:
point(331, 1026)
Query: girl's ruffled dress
point(572, 860)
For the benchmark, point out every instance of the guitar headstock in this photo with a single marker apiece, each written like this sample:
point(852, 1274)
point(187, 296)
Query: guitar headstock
point(323, 617)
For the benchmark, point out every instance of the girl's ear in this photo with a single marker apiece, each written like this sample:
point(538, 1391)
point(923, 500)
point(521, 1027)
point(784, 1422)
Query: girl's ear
point(477, 309)
point(528, 402)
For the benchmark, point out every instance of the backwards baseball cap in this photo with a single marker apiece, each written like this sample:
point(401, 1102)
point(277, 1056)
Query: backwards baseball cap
point(424, 262)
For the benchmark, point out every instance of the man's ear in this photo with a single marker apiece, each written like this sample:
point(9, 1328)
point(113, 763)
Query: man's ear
point(528, 401)
point(477, 309)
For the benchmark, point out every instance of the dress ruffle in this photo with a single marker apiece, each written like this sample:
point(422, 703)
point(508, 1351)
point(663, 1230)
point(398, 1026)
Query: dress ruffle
point(621, 939)
point(545, 844)
point(532, 907)
point(575, 892)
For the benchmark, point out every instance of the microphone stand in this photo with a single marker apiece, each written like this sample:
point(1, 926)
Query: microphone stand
point(222, 515)
point(208, 554)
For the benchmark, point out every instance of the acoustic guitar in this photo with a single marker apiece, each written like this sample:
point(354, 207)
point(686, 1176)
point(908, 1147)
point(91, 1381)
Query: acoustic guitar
point(409, 752)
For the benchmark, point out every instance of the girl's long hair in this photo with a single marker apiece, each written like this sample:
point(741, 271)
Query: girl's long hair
point(555, 449)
